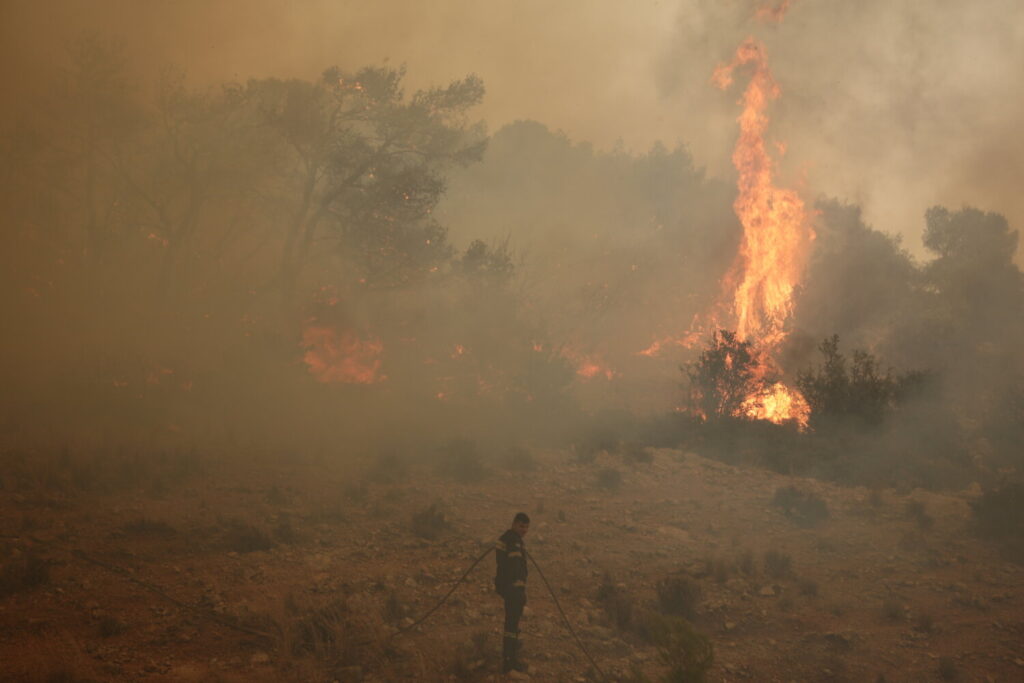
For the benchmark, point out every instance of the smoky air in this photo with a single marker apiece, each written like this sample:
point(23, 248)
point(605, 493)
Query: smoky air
point(471, 341)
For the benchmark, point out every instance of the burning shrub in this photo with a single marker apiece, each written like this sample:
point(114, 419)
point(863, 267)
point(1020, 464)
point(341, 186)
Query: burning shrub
point(724, 376)
point(803, 507)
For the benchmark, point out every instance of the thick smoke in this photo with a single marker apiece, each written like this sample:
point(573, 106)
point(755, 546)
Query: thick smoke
point(896, 106)
point(549, 274)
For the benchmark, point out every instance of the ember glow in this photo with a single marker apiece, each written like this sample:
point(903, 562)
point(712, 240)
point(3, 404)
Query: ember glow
point(588, 365)
point(341, 357)
point(776, 235)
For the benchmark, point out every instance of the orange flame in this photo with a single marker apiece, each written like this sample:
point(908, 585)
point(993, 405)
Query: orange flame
point(345, 358)
point(776, 232)
point(776, 229)
point(588, 366)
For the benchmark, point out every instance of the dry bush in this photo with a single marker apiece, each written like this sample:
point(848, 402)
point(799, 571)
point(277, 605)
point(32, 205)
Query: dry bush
point(917, 513)
point(999, 517)
point(241, 537)
point(948, 670)
point(110, 626)
point(803, 507)
point(609, 479)
point(616, 602)
point(637, 453)
point(473, 659)
point(519, 459)
point(893, 610)
point(678, 596)
point(745, 563)
point(777, 564)
point(23, 574)
point(430, 523)
point(718, 569)
point(151, 528)
point(388, 467)
point(687, 652)
point(336, 639)
point(590, 446)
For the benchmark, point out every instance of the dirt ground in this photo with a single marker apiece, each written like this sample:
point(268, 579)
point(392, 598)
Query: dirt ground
point(268, 569)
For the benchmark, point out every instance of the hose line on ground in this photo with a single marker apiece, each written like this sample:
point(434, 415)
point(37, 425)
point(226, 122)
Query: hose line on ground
point(568, 625)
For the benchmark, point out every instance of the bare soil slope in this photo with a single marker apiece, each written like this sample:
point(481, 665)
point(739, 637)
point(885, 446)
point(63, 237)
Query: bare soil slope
point(256, 569)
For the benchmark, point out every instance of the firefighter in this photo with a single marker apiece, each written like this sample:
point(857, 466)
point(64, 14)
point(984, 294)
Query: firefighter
point(510, 583)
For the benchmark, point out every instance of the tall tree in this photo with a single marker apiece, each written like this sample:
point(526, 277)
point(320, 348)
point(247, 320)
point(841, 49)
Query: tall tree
point(366, 167)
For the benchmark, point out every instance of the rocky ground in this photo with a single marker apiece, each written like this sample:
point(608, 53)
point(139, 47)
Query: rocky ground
point(267, 569)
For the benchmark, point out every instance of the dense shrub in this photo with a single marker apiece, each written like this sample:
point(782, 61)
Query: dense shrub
point(860, 390)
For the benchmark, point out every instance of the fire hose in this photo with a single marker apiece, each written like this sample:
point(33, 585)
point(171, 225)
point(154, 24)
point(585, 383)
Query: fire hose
point(543, 578)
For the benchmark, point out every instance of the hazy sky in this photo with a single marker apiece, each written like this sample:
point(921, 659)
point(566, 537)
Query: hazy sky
point(894, 104)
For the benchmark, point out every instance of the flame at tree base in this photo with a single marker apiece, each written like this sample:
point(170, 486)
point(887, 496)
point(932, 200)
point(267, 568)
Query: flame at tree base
point(779, 404)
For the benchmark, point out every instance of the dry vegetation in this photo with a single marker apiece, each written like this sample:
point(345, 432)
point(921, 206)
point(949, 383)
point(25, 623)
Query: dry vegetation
point(245, 567)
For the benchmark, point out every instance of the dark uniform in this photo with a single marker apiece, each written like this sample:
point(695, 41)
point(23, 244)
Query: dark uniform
point(510, 582)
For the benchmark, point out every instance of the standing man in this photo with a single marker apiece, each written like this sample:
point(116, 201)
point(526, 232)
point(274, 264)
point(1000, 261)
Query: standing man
point(510, 582)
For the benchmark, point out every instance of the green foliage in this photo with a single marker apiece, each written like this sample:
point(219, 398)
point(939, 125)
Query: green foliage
point(837, 391)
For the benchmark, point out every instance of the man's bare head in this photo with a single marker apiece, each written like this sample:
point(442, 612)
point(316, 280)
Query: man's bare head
point(521, 524)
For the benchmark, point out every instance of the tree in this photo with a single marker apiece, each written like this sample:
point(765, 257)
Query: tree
point(859, 391)
point(366, 164)
point(724, 375)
